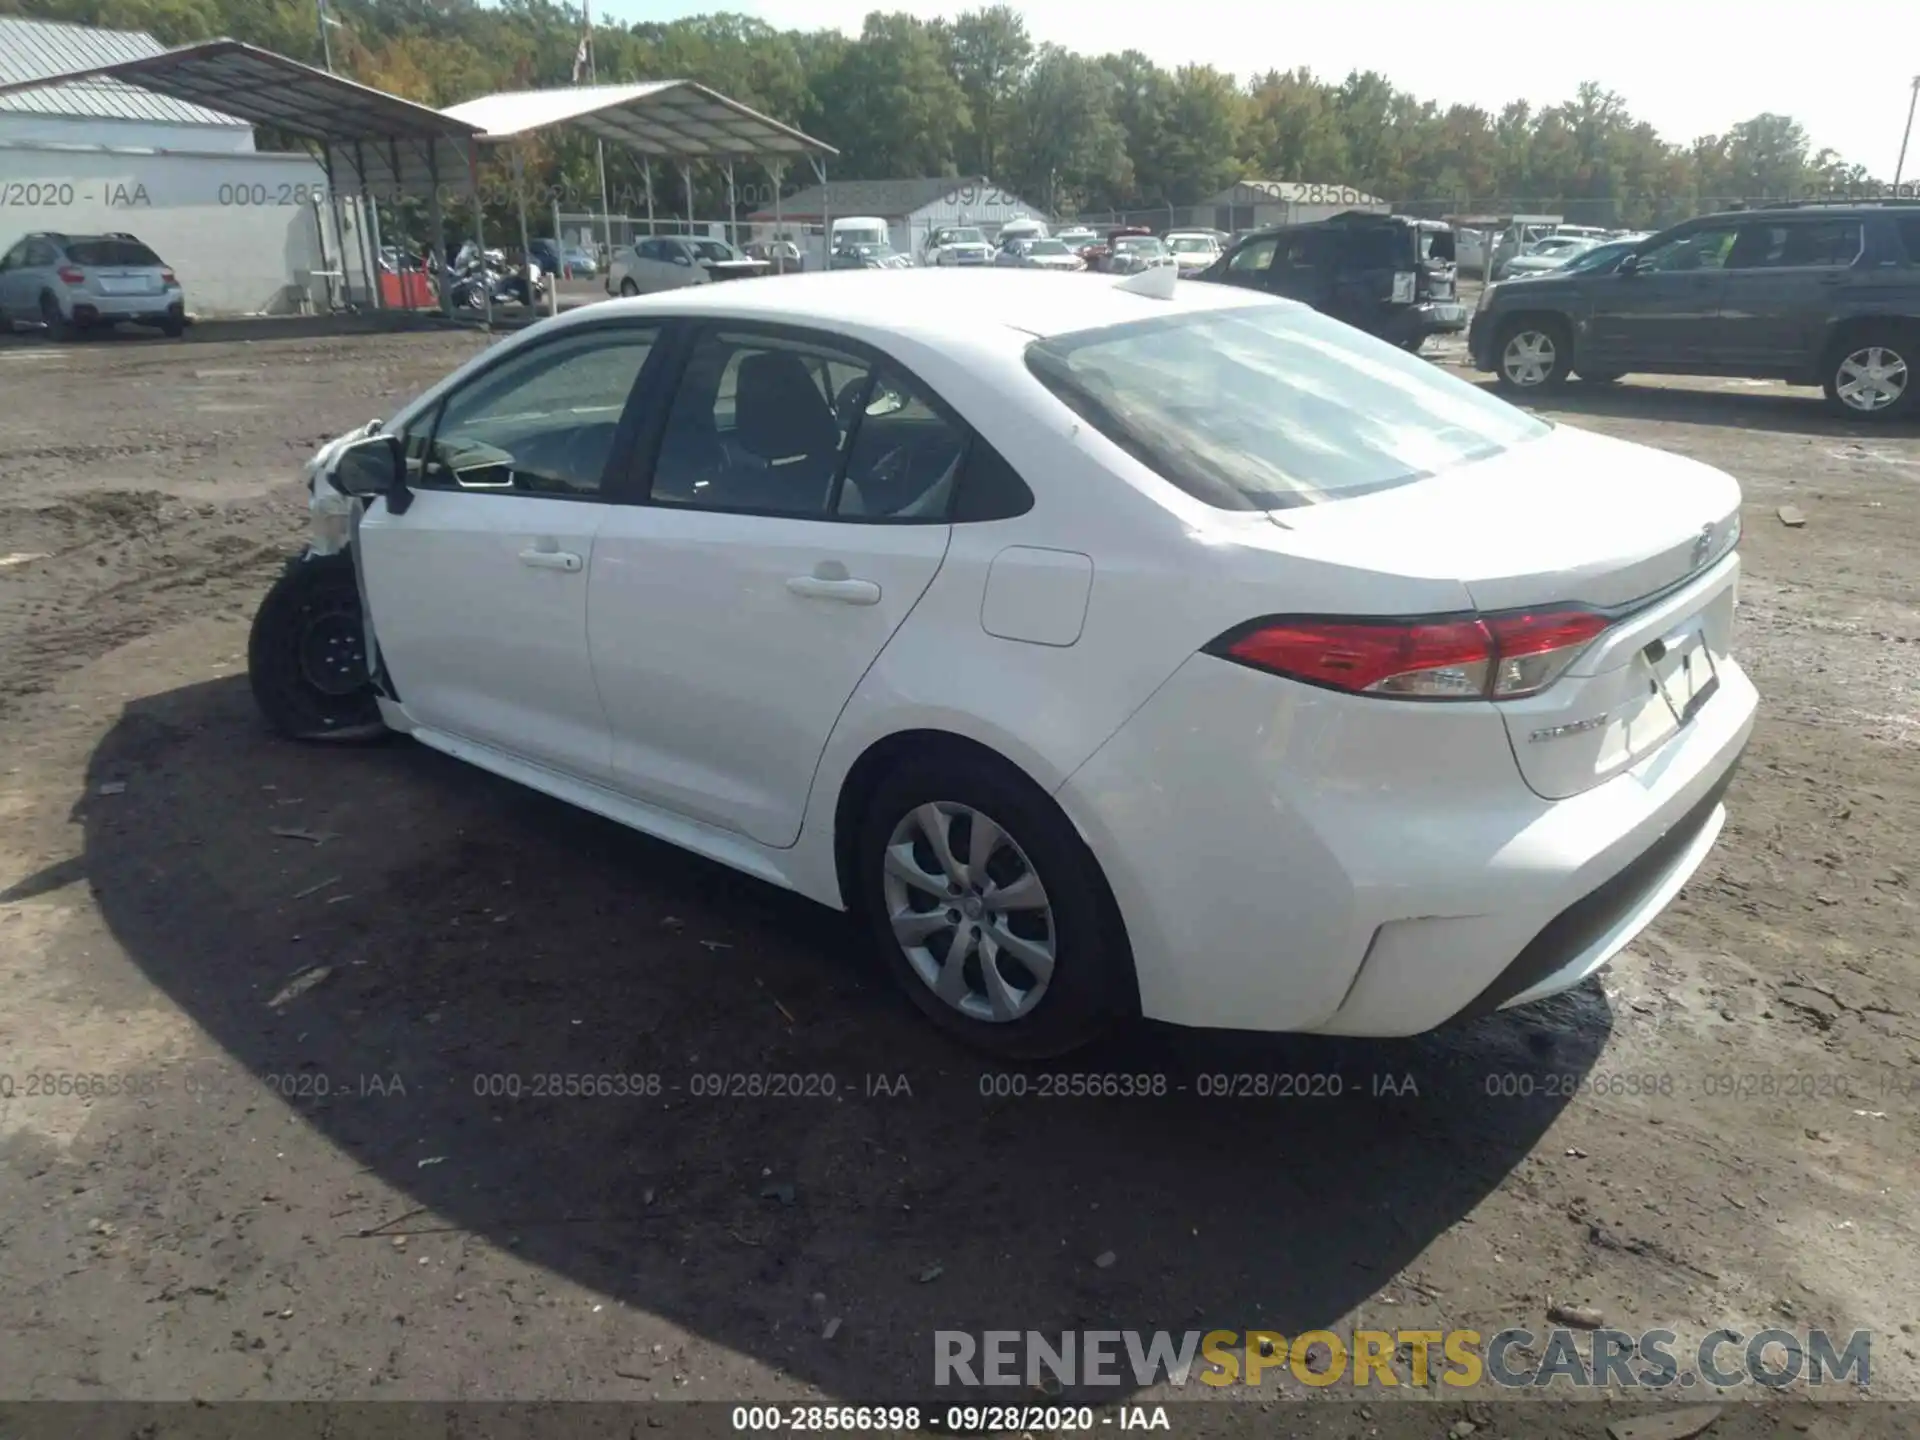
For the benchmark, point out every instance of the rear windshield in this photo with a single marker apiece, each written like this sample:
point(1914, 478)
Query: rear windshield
point(106, 251)
point(1269, 407)
point(1437, 246)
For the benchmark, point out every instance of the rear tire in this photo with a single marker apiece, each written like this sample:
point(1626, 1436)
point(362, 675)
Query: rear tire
point(1531, 355)
point(917, 918)
point(629, 289)
point(59, 328)
point(1870, 375)
point(306, 655)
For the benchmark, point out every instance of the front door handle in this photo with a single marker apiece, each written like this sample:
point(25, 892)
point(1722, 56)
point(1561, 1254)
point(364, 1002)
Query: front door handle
point(551, 560)
point(847, 592)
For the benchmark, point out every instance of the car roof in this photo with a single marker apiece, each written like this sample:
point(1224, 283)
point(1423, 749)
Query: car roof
point(932, 302)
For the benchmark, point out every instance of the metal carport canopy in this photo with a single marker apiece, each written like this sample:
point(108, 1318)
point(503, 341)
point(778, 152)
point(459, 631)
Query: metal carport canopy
point(671, 119)
point(393, 143)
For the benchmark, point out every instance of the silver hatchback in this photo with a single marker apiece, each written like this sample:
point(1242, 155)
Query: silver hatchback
point(70, 283)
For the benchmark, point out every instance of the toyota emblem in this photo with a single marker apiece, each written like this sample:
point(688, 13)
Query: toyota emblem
point(1702, 546)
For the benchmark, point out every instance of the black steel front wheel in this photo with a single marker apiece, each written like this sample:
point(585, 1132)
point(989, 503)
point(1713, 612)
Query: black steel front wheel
point(307, 654)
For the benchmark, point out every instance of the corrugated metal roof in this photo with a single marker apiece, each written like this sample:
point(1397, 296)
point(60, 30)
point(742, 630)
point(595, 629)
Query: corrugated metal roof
point(399, 143)
point(678, 119)
point(35, 49)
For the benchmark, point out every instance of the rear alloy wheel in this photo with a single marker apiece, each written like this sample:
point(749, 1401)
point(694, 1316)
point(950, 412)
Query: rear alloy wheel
point(990, 911)
point(1533, 355)
point(307, 655)
point(58, 326)
point(628, 288)
point(1870, 377)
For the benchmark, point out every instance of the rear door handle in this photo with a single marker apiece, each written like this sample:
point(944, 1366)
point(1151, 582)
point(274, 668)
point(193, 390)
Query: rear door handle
point(551, 559)
point(847, 592)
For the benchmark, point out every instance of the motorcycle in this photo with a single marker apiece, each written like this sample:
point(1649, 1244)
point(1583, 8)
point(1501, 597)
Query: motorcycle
point(477, 279)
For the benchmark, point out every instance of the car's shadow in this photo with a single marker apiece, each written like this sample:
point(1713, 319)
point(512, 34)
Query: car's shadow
point(476, 937)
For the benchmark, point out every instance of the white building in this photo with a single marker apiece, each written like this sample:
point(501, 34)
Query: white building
point(1258, 204)
point(239, 226)
point(913, 209)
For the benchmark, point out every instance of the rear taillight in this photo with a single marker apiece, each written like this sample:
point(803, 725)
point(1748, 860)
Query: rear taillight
point(72, 275)
point(1486, 657)
point(167, 278)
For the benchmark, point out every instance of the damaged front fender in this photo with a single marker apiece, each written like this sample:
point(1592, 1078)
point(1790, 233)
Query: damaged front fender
point(333, 514)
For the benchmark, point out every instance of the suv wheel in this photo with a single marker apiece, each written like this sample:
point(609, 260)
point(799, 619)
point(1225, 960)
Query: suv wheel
point(1870, 374)
point(58, 326)
point(1532, 354)
point(989, 909)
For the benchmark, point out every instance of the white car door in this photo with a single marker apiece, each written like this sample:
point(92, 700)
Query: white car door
point(794, 512)
point(478, 586)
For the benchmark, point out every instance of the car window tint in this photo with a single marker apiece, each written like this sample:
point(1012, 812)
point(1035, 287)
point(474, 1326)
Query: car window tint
point(1270, 406)
point(758, 424)
point(1910, 237)
point(1697, 250)
point(1779, 244)
point(1382, 249)
point(541, 422)
point(905, 457)
point(1254, 256)
point(110, 252)
point(41, 252)
point(989, 488)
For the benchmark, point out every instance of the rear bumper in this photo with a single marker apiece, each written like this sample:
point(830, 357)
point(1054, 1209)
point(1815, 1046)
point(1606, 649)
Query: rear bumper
point(141, 309)
point(1427, 317)
point(1294, 859)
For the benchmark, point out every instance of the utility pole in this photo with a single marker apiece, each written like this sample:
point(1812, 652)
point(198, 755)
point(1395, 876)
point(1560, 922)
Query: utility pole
point(321, 19)
point(599, 145)
point(1900, 165)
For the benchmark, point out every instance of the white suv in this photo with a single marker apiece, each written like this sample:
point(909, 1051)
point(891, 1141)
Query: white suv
point(70, 283)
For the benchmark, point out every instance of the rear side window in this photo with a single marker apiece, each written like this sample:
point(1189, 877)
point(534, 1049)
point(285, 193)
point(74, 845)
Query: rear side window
point(110, 252)
point(1385, 248)
point(1269, 407)
point(1910, 237)
point(1770, 245)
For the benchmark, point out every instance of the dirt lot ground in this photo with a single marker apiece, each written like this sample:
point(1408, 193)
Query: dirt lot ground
point(1736, 1144)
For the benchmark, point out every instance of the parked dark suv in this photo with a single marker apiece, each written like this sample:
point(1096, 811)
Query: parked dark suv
point(1389, 275)
point(1824, 295)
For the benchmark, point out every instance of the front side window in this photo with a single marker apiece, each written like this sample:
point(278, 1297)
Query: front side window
point(1253, 257)
point(541, 422)
point(1269, 407)
point(1703, 249)
point(1784, 244)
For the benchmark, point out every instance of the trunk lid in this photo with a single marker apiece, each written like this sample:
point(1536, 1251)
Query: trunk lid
point(735, 269)
point(1572, 518)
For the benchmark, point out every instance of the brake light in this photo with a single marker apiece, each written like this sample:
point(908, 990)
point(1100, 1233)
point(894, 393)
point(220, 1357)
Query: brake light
point(167, 278)
point(72, 274)
point(1488, 657)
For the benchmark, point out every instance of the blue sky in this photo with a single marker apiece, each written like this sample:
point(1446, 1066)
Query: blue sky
point(1689, 66)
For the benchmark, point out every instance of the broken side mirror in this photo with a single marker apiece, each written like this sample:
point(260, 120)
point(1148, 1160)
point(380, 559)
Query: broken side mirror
point(370, 466)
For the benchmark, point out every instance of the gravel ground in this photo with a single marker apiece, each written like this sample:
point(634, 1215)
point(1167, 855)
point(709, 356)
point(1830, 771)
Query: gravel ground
point(303, 1195)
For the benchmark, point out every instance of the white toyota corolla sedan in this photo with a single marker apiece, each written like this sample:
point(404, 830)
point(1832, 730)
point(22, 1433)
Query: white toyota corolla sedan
point(1108, 648)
